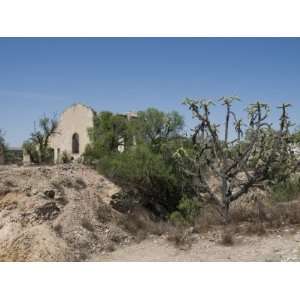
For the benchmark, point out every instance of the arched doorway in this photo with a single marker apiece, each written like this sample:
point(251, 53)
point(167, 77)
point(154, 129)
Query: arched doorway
point(75, 143)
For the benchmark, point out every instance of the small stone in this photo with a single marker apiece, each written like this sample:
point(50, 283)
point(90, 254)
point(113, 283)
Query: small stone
point(34, 192)
point(48, 211)
point(50, 194)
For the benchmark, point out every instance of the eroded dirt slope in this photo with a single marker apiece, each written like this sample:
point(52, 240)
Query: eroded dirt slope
point(58, 213)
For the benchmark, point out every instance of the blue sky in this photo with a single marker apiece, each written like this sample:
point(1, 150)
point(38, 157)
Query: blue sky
point(44, 75)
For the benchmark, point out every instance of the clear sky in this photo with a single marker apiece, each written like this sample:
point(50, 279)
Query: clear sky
point(44, 75)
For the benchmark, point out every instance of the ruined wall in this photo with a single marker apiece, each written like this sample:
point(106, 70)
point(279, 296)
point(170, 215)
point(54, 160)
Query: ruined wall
point(74, 120)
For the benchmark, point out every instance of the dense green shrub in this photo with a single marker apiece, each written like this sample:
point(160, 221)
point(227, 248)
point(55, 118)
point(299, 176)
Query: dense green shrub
point(286, 190)
point(177, 218)
point(2, 147)
point(109, 132)
point(147, 165)
point(141, 169)
point(187, 211)
point(31, 149)
point(13, 156)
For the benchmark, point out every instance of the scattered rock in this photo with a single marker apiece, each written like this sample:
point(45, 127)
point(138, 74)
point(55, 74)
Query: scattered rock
point(49, 211)
point(34, 192)
point(42, 210)
point(50, 194)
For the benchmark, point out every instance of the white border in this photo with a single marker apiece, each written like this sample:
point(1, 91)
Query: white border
point(149, 18)
point(149, 281)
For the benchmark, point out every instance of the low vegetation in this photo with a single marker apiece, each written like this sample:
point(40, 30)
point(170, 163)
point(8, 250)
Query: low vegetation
point(180, 237)
point(287, 190)
point(2, 142)
point(7, 155)
point(178, 177)
point(227, 238)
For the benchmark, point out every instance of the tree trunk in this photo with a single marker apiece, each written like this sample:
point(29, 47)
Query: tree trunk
point(226, 212)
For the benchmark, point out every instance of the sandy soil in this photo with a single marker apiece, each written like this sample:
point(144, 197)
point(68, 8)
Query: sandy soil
point(278, 246)
point(58, 213)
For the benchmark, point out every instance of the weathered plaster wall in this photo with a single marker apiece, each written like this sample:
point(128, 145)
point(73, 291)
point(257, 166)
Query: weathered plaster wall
point(75, 119)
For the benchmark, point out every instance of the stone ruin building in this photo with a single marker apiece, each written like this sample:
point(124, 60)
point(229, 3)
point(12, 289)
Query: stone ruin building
point(72, 132)
point(71, 136)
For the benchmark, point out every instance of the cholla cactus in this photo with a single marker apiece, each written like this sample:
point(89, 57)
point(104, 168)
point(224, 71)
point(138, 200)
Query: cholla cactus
point(237, 163)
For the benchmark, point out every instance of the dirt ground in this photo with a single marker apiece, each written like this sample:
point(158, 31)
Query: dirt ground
point(56, 213)
point(62, 213)
point(280, 246)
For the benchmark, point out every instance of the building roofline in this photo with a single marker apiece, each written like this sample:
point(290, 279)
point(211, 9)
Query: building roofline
point(127, 114)
point(76, 104)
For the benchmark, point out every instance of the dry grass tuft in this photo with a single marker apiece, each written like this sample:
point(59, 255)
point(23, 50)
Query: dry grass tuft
point(110, 247)
point(139, 224)
point(136, 225)
point(256, 229)
point(227, 238)
point(181, 238)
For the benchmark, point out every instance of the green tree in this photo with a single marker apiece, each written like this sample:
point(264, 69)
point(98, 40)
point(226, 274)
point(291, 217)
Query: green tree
point(38, 145)
point(109, 132)
point(147, 166)
point(31, 149)
point(154, 127)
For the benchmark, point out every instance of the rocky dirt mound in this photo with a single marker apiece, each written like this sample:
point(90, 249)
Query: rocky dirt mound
point(58, 213)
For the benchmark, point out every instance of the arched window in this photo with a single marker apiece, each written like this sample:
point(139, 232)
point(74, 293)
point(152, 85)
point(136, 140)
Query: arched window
point(75, 143)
